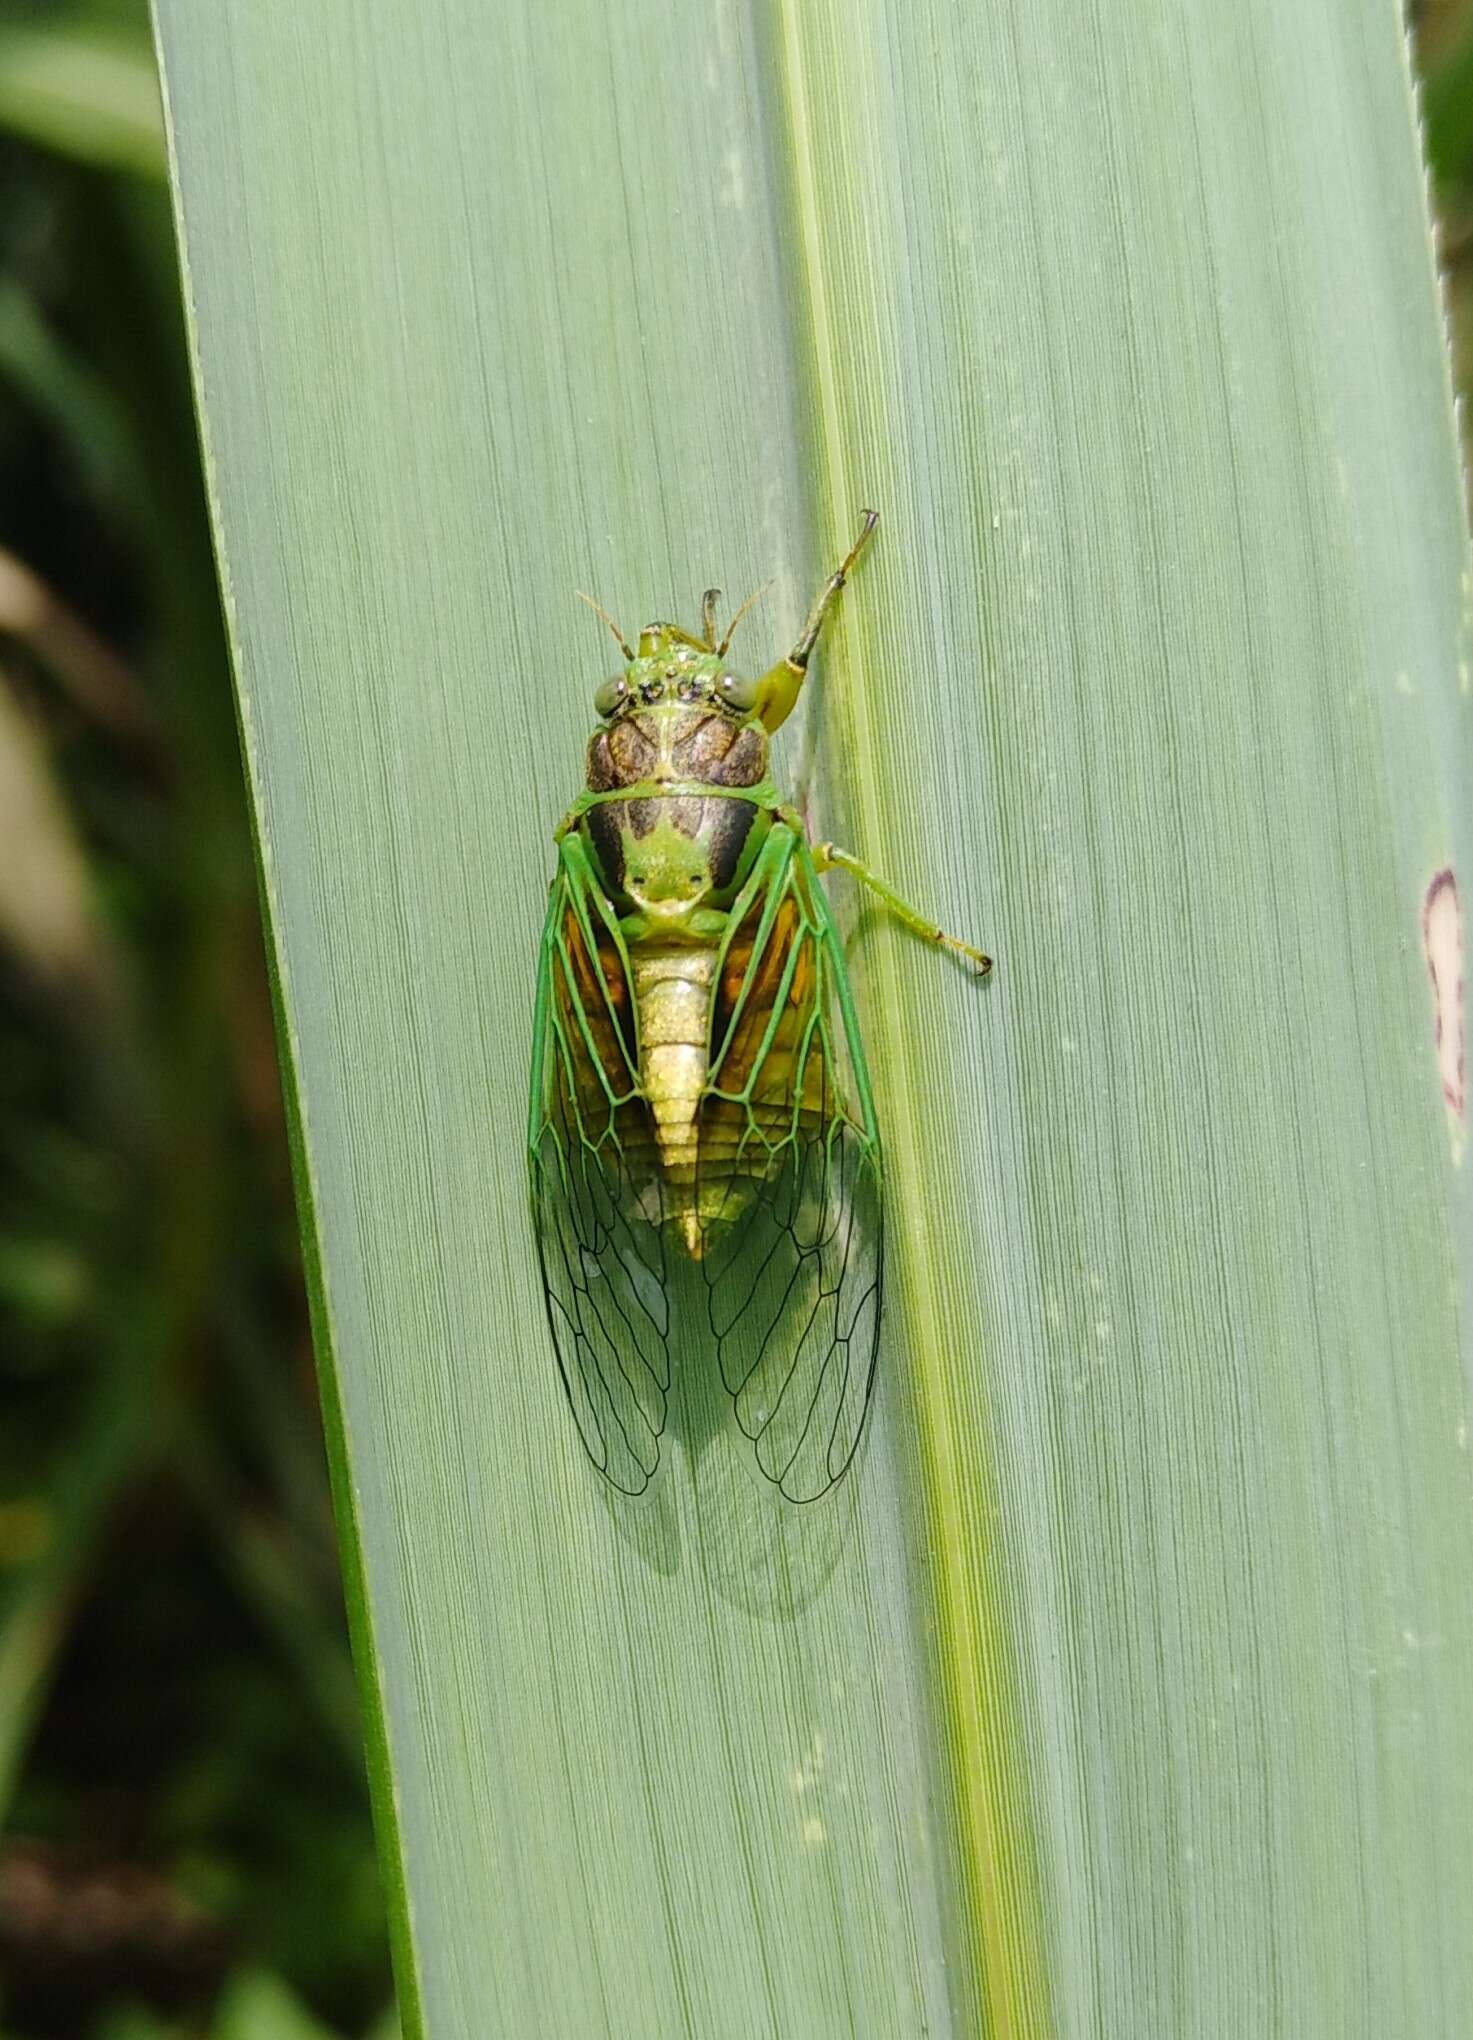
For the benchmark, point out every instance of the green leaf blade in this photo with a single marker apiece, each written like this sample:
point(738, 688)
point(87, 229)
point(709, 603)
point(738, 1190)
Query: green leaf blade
point(1124, 1685)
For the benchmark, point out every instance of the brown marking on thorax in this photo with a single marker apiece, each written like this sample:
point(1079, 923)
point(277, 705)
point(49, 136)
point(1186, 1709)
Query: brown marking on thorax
point(709, 746)
point(696, 744)
point(624, 754)
point(684, 743)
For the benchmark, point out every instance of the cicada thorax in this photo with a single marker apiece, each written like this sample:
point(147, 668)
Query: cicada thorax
point(673, 862)
point(675, 848)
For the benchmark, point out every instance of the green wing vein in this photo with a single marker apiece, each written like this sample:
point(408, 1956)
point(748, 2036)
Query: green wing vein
point(785, 1209)
point(597, 1206)
point(792, 1210)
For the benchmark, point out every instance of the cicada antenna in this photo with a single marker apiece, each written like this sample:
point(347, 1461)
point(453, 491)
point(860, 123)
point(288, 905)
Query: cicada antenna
point(599, 610)
point(708, 617)
point(755, 596)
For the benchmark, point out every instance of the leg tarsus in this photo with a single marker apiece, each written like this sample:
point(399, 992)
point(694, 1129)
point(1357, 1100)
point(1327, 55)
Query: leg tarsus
point(802, 651)
point(829, 857)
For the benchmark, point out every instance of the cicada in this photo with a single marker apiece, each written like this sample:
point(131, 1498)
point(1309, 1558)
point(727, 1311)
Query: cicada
point(699, 1088)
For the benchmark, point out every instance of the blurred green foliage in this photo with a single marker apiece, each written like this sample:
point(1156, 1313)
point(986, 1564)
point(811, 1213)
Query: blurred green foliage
point(187, 1844)
point(1443, 46)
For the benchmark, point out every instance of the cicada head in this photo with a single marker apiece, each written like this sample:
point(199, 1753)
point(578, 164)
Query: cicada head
point(675, 718)
point(670, 667)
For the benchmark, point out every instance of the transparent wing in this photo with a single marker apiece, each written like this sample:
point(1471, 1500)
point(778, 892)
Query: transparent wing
point(597, 1201)
point(790, 1192)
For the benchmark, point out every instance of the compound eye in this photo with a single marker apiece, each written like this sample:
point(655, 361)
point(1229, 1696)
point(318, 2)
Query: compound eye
point(611, 696)
point(737, 693)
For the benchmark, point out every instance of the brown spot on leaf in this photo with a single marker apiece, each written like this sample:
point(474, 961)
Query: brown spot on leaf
point(1442, 945)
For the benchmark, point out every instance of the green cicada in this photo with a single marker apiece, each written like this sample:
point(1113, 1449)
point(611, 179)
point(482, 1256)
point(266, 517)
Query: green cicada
point(698, 1080)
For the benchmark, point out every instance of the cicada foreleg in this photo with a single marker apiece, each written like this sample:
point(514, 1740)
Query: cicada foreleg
point(778, 689)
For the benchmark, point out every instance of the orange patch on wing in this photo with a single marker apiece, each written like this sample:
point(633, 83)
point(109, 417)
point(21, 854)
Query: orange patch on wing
point(773, 1086)
point(761, 979)
point(603, 993)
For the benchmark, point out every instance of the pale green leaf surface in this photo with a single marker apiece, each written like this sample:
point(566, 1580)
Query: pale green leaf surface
point(1126, 1686)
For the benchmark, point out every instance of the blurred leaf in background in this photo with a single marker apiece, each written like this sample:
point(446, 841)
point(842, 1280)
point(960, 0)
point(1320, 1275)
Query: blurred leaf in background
point(187, 1839)
point(1443, 43)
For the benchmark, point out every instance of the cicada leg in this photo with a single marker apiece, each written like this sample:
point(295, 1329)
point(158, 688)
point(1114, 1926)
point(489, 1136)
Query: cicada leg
point(778, 689)
point(829, 857)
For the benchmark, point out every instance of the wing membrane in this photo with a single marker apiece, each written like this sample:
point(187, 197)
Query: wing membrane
point(597, 1198)
point(790, 1192)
